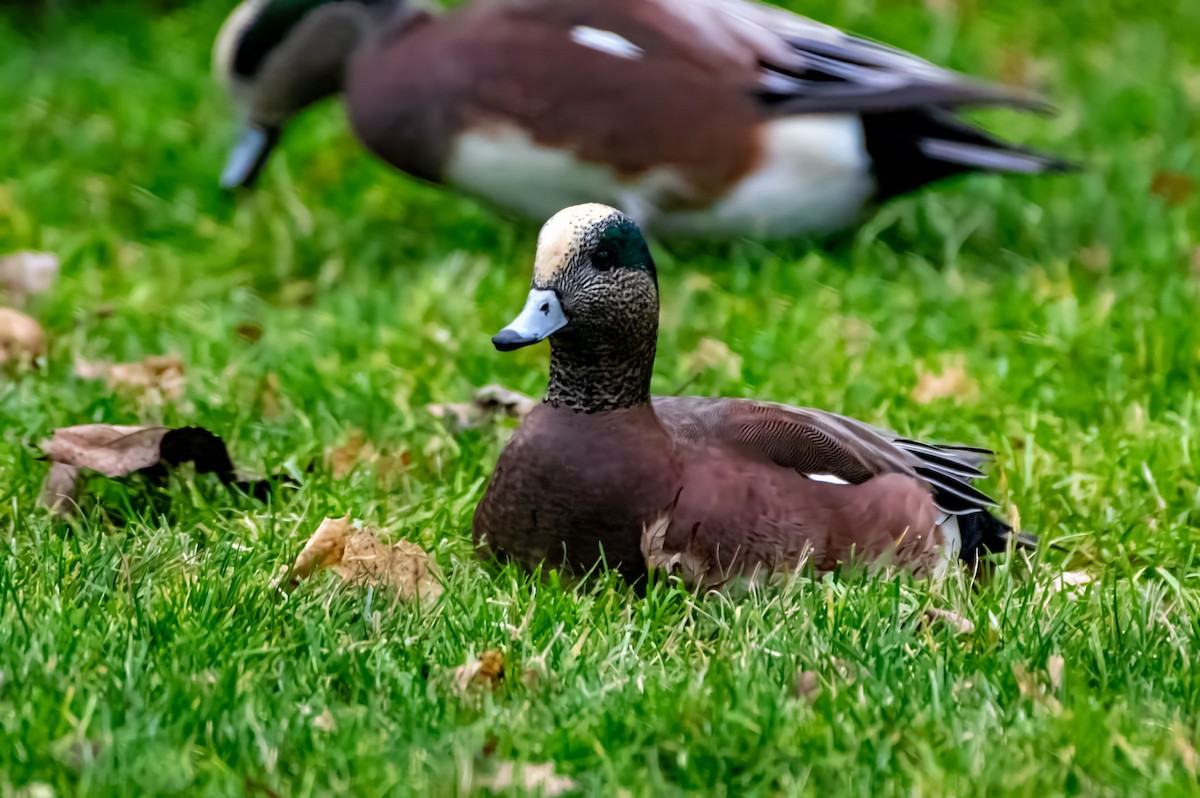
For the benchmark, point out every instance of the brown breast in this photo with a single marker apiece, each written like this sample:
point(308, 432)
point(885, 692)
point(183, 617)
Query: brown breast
point(571, 485)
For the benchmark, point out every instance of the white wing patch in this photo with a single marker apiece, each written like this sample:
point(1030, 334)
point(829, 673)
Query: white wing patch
point(606, 42)
point(830, 478)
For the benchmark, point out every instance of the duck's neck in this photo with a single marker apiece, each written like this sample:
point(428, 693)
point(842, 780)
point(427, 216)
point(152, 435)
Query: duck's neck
point(588, 377)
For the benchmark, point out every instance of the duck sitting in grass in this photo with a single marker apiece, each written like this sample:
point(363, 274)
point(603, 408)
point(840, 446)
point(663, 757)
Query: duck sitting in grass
point(709, 488)
point(713, 118)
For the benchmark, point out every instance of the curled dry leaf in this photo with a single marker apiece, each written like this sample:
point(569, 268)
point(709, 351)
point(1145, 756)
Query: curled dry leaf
point(951, 382)
point(538, 779)
point(21, 338)
point(952, 620)
point(356, 450)
point(118, 451)
point(156, 378)
point(713, 354)
point(1055, 665)
point(1073, 583)
point(25, 273)
point(1176, 188)
point(808, 685)
point(1185, 748)
point(487, 672)
point(360, 558)
point(489, 402)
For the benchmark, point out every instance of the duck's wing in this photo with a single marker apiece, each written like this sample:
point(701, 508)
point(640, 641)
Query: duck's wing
point(807, 67)
point(826, 446)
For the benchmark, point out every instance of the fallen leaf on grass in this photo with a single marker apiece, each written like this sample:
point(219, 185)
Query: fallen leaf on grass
point(487, 672)
point(118, 451)
point(539, 779)
point(1073, 583)
point(360, 558)
point(951, 381)
point(1185, 748)
point(1055, 665)
point(356, 450)
point(808, 682)
point(1175, 188)
point(952, 620)
point(25, 273)
point(808, 686)
point(21, 338)
point(249, 331)
point(715, 355)
point(1031, 686)
point(325, 721)
point(489, 402)
point(156, 378)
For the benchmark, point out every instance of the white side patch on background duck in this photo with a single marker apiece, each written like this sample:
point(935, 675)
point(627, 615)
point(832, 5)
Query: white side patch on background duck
point(814, 176)
point(606, 42)
point(504, 164)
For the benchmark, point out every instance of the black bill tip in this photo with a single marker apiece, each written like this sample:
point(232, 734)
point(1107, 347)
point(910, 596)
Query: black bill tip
point(509, 339)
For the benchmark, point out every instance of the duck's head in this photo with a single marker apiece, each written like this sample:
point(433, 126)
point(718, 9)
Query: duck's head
point(279, 56)
point(594, 283)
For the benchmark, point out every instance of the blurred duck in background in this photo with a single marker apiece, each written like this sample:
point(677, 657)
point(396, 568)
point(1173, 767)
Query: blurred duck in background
point(713, 118)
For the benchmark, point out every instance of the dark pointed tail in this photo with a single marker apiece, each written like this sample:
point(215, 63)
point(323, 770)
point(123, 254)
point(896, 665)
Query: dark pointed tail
point(983, 533)
point(909, 149)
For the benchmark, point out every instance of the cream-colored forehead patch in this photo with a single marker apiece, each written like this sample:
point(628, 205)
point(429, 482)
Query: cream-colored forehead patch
point(560, 237)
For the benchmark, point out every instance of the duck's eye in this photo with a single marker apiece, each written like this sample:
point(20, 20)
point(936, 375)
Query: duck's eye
point(602, 259)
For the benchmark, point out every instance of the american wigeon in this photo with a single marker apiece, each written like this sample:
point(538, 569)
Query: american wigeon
point(711, 488)
point(694, 117)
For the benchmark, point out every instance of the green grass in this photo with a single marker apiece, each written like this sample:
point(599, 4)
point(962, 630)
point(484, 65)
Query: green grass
point(142, 649)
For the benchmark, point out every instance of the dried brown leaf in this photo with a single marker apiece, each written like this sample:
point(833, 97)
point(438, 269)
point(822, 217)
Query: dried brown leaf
point(360, 558)
point(538, 779)
point(155, 379)
point(1096, 258)
point(342, 459)
point(952, 620)
point(25, 273)
point(486, 672)
point(118, 451)
point(1185, 748)
point(951, 382)
point(498, 400)
point(21, 338)
point(715, 355)
point(1055, 665)
point(249, 331)
point(1027, 682)
point(489, 402)
point(325, 721)
point(114, 451)
point(1073, 583)
point(356, 450)
point(267, 398)
point(59, 489)
point(1176, 188)
point(808, 686)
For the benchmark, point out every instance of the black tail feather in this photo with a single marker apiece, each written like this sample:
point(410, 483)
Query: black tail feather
point(909, 149)
point(983, 533)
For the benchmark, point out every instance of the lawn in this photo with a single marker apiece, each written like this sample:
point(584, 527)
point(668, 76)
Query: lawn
point(145, 651)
